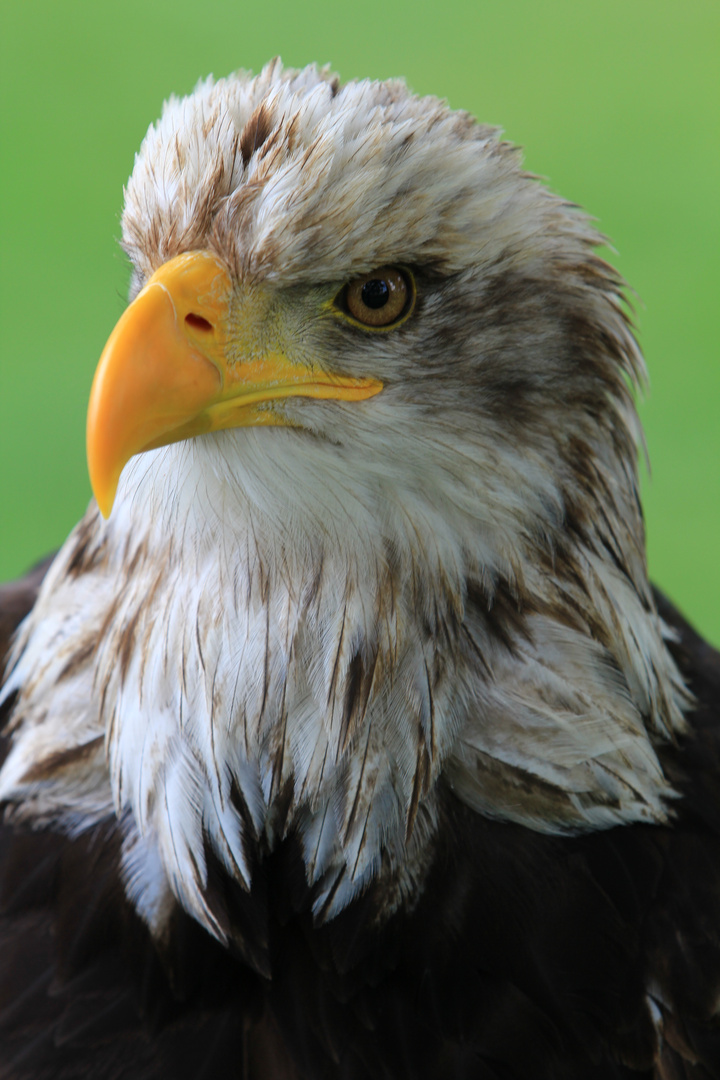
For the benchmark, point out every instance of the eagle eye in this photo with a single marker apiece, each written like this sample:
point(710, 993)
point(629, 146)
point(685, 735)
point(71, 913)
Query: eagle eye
point(379, 300)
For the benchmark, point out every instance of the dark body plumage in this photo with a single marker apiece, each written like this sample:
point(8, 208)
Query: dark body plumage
point(526, 956)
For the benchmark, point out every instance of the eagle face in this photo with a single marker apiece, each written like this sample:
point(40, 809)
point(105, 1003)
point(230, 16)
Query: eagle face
point(367, 456)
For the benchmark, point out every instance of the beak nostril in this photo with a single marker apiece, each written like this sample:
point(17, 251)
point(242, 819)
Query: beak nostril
point(197, 322)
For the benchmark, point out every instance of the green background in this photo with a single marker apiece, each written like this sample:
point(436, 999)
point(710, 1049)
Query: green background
point(615, 102)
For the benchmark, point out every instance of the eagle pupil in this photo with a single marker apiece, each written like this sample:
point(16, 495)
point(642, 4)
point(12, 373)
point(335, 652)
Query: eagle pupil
point(375, 293)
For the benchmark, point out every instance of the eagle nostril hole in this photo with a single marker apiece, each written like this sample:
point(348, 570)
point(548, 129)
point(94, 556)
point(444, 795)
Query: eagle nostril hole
point(196, 322)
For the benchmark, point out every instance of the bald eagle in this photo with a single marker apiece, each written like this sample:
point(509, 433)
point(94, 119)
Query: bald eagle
point(345, 736)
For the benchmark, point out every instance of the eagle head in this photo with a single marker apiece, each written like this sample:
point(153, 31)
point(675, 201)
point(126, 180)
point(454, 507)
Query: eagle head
point(365, 455)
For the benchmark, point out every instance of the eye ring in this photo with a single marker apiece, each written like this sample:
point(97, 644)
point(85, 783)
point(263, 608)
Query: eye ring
point(380, 300)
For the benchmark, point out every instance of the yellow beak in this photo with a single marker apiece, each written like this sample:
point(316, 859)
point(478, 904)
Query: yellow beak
point(167, 372)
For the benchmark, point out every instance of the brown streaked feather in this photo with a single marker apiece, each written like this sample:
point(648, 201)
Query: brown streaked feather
point(255, 132)
point(16, 601)
point(49, 767)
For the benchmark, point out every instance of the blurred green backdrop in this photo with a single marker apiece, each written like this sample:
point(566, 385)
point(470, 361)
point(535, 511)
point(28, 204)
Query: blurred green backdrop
point(615, 103)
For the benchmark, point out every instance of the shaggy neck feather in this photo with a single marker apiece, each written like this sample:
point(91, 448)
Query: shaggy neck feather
point(318, 654)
